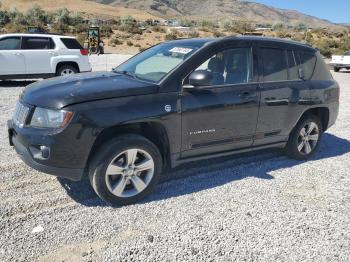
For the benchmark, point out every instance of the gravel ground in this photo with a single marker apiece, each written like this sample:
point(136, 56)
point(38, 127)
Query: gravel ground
point(260, 206)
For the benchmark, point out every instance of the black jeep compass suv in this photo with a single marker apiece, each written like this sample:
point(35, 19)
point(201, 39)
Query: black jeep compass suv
point(176, 102)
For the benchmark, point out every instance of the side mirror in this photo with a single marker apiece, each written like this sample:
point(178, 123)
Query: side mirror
point(201, 78)
point(301, 74)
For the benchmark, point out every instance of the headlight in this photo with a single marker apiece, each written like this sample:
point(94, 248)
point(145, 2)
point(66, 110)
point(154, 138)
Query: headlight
point(47, 118)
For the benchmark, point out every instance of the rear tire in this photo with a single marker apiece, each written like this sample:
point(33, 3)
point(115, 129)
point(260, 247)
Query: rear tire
point(125, 170)
point(305, 138)
point(336, 69)
point(66, 70)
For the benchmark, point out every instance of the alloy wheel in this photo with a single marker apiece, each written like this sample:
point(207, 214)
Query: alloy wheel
point(129, 173)
point(308, 138)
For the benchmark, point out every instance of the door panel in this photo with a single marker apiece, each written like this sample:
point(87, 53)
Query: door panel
point(283, 95)
point(280, 107)
point(11, 60)
point(222, 116)
point(38, 61)
point(219, 118)
point(38, 52)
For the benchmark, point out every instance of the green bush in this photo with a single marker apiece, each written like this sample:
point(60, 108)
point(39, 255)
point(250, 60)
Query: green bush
point(171, 36)
point(193, 34)
point(4, 17)
point(129, 43)
point(132, 29)
point(141, 49)
point(106, 30)
point(116, 41)
point(158, 29)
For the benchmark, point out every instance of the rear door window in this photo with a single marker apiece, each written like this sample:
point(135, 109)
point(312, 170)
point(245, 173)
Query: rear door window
point(275, 66)
point(10, 43)
point(293, 64)
point(71, 43)
point(36, 43)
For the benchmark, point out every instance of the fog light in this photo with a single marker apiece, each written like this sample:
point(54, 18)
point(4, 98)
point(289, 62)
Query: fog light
point(45, 152)
point(40, 152)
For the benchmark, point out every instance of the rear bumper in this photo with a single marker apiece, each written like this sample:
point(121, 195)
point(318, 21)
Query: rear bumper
point(333, 114)
point(26, 155)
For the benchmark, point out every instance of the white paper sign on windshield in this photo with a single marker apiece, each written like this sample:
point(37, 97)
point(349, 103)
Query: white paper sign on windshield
point(181, 50)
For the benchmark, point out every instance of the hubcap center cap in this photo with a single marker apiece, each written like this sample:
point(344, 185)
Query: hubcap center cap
point(129, 171)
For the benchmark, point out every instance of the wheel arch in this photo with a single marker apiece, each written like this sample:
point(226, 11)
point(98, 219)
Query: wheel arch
point(71, 63)
point(153, 131)
point(321, 112)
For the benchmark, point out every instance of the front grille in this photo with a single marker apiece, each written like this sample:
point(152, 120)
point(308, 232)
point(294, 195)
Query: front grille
point(21, 113)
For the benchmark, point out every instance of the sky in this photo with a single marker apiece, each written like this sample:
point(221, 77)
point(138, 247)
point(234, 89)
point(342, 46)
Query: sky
point(337, 11)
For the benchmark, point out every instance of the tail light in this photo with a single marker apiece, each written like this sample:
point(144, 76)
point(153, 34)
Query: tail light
point(84, 52)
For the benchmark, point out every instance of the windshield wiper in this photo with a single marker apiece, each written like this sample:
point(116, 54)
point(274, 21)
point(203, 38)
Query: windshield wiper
point(124, 72)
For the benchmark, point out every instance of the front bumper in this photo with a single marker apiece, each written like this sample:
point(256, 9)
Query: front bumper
point(340, 65)
point(23, 149)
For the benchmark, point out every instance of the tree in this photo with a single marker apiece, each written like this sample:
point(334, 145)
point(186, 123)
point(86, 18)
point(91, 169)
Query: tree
point(301, 27)
point(278, 26)
point(77, 19)
point(63, 16)
point(4, 18)
point(36, 15)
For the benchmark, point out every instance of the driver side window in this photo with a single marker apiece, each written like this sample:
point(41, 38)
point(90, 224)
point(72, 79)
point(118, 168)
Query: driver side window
point(229, 67)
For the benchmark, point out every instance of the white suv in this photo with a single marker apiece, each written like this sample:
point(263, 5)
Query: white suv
point(27, 56)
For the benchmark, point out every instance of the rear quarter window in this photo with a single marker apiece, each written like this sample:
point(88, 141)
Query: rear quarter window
point(71, 43)
point(307, 63)
point(321, 71)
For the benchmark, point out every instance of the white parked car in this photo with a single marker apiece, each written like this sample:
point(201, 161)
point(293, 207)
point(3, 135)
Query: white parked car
point(28, 56)
point(341, 61)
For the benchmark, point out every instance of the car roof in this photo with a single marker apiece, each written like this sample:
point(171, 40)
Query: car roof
point(261, 39)
point(36, 35)
point(191, 41)
point(270, 40)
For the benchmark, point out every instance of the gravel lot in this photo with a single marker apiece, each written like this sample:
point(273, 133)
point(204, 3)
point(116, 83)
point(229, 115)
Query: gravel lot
point(260, 206)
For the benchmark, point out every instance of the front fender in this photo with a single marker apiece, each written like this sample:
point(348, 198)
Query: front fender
point(96, 116)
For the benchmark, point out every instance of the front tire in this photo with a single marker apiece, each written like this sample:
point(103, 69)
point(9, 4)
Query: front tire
point(336, 69)
point(305, 138)
point(125, 170)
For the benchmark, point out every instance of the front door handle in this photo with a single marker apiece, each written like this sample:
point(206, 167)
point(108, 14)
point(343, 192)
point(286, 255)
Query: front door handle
point(245, 95)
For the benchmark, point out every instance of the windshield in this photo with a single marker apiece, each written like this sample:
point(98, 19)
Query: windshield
point(347, 53)
point(155, 63)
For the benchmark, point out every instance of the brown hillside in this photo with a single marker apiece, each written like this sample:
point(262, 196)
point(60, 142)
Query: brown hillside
point(214, 9)
point(88, 7)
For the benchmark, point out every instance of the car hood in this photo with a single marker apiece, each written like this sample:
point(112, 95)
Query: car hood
point(59, 92)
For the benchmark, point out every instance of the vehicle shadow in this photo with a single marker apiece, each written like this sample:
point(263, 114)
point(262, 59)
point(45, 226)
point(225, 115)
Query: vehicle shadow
point(202, 175)
point(19, 83)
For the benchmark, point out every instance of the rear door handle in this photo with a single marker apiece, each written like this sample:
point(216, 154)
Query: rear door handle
point(271, 101)
point(16, 53)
